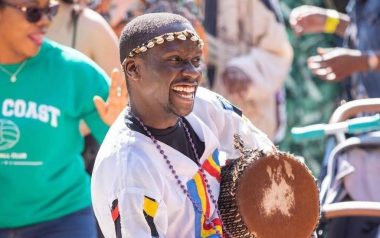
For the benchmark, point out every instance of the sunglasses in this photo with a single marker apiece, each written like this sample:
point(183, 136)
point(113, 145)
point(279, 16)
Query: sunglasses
point(34, 14)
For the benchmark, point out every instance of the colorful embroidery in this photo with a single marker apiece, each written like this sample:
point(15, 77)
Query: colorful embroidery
point(116, 217)
point(229, 106)
point(198, 191)
point(212, 165)
point(150, 209)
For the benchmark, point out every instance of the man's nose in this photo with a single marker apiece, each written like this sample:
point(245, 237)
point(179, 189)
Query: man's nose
point(191, 71)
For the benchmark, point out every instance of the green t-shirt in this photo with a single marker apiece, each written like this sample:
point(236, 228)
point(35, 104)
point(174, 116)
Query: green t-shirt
point(42, 174)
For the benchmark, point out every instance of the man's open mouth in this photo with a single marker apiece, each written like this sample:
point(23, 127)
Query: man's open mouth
point(186, 92)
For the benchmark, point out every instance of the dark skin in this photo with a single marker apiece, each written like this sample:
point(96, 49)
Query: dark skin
point(235, 81)
point(163, 80)
point(336, 64)
point(311, 19)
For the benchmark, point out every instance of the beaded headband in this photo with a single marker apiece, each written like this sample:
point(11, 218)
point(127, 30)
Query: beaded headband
point(158, 40)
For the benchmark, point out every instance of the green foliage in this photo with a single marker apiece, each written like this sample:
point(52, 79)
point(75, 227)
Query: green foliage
point(309, 99)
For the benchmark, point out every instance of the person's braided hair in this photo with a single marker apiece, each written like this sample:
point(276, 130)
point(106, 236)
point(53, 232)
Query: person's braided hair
point(145, 27)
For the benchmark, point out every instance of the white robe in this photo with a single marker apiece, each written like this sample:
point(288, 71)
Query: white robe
point(130, 170)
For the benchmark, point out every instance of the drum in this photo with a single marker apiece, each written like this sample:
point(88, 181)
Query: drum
point(271, 195)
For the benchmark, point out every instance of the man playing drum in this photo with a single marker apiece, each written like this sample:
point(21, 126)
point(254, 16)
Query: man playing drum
point(157, 173)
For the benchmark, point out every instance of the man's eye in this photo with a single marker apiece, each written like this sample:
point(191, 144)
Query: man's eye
point(196, 61)
point(175, 59)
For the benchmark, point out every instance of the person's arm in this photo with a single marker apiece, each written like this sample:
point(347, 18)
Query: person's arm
point(109, 109)
point(125, 196)
point(101, 46)
point(98, 101)
point(102, 41)
point(268, 61)
point(344, 21)
point(311, 19)
point(107, 100)
point(117, 99)
point(336, 64)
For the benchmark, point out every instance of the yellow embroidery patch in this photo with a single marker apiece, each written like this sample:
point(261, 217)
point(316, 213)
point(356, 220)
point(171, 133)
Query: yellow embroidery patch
point(150, 206)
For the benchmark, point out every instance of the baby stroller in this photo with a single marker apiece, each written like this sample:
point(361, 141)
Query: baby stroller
point(350, 181)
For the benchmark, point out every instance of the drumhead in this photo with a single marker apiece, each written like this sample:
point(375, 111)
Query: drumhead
point(275, 196)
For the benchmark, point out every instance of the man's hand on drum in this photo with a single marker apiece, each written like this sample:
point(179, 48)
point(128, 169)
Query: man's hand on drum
point(116, 101)
point(235, 81)
point(335, 64)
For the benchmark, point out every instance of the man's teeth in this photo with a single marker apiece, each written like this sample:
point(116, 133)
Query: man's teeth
point(189, 96)
point(184, 89)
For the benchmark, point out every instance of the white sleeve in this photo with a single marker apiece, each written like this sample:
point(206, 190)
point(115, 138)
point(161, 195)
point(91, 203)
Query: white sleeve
point(126, 200)
point(101, 182)
point(141, 214)
point(225, 120)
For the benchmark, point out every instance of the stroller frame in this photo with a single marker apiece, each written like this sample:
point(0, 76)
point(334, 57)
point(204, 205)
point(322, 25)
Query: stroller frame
point(334, 203)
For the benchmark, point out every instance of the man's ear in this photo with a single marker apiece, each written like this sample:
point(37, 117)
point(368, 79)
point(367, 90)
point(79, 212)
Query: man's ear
point(132, 69)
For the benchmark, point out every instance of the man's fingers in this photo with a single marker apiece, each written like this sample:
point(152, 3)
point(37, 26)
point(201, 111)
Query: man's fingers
point(321, 72)
point(100, 105)
point(331, 76)
point(322, 51)
point(298, 30)
point(324, 73)
point(118, 86)
point(319, 61)
point(315, 62)
point(115, 89)
point(116, 75)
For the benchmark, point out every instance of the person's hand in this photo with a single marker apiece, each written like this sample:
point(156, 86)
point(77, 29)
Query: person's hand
point(335, 64)
point(116, 101)
point(235, 81)
point(307, 19)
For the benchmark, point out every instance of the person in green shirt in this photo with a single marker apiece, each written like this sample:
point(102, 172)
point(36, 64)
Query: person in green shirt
point(45, 90)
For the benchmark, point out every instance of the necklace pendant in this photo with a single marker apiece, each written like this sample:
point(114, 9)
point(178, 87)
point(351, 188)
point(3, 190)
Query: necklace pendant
point(13, 78)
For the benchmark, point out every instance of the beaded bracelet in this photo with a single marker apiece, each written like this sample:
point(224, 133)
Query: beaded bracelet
point(332, 21)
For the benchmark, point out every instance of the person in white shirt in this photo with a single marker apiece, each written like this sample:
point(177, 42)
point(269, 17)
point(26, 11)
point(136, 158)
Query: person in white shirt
point(157, 173)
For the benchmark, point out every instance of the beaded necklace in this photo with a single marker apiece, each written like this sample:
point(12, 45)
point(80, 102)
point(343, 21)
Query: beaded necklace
point(174, 173)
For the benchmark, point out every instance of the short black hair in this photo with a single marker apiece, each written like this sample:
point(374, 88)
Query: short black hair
point(145, 27)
